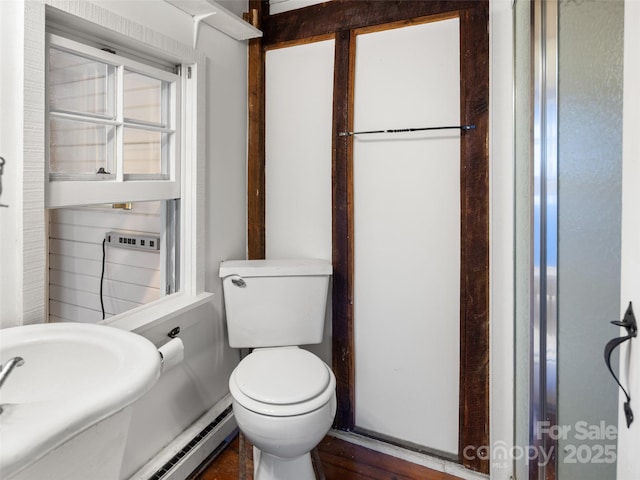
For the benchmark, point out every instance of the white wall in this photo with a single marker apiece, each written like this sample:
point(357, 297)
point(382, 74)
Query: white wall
point(184, 393)
point(156, 14)
point(299, 109)
point(279, 6)
point(629, 438)
point(226, 167)
point(406, 196)
point(501, 182)
point(10, 134)
point(22, 252)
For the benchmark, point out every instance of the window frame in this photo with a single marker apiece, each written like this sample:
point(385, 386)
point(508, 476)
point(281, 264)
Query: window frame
point(68, 189)
point(85, 18)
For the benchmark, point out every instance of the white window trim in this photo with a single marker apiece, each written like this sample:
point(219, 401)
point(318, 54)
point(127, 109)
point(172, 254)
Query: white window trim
point(70, 192)
point(32, 277)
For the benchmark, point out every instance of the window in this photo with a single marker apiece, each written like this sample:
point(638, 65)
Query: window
point(25, 255)
point(113, 127)
point(113, 136)
point(89, 281)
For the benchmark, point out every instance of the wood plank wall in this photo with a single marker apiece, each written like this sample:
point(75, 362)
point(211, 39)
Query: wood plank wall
point(132, 277)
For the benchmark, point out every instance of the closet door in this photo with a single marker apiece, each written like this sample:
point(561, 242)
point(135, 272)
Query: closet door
point(406, 189)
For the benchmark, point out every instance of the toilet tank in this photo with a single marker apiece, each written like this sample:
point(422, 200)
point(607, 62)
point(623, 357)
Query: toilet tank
point(273, 303)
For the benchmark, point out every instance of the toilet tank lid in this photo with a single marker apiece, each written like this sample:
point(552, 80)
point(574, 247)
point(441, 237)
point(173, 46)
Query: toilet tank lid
point(275, 268)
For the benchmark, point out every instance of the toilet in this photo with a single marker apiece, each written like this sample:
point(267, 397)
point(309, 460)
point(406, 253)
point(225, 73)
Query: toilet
point(284, 397)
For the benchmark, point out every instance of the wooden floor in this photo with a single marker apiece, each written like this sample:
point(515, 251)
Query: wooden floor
point(340, 461)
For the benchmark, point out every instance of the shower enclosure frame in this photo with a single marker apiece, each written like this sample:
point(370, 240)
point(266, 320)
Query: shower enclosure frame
point(543, 375)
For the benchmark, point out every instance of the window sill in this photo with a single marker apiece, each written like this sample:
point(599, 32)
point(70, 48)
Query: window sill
point(66, 193)
point(143, 318)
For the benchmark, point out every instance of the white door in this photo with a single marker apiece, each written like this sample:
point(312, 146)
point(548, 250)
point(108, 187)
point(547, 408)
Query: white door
point(629, 438)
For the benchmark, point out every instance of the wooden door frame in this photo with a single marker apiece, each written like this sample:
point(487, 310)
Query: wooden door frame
point(340, 18)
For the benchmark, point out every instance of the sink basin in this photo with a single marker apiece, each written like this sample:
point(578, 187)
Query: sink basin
point(73, 376)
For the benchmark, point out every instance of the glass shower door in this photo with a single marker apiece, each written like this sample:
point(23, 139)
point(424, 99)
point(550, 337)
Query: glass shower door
point(568, 191)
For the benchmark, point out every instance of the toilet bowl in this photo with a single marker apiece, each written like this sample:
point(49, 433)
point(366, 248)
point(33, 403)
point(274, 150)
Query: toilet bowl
point(284, 402)
point(284, 397)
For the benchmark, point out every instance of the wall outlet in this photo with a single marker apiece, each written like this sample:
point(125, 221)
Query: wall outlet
point(130, 240)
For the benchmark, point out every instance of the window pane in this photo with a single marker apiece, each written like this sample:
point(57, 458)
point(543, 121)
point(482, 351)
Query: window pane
point(80, 84)
point(143, 98)
point(143, 151)
point(133, 274)
point(80, 147)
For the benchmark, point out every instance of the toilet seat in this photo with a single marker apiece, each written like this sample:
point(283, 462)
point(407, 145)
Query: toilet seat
point(283, 381)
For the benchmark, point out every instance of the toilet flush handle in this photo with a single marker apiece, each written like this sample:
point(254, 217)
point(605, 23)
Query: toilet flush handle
point(238, 281)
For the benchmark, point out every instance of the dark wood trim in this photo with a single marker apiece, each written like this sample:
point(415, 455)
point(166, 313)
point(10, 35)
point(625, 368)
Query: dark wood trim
point(341, 15)
point(342, 196)
point(406, 23)
point(300, 41)
point(256, 139)
point(474, 203)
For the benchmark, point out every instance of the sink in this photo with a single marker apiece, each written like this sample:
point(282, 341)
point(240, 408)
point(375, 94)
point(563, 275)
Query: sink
point(73, 377)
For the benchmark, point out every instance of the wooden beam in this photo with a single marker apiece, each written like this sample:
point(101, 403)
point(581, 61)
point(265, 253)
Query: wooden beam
point(342, 219)
point(342, 15)
point(474, 202)
point(255, 147)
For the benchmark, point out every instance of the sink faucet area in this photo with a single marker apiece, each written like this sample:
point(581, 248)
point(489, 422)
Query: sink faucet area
point(60, 380)
point(7, 368)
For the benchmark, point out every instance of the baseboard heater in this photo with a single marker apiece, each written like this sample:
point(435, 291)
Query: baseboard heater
point(190, 449)
point(165, 470)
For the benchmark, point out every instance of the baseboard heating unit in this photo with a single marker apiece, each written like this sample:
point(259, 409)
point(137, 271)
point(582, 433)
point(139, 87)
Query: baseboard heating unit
point(193, 446)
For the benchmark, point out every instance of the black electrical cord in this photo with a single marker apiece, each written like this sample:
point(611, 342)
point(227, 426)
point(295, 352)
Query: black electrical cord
point(102, 276)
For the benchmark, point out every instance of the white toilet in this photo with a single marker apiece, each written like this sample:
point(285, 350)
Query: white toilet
point(283, 397)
